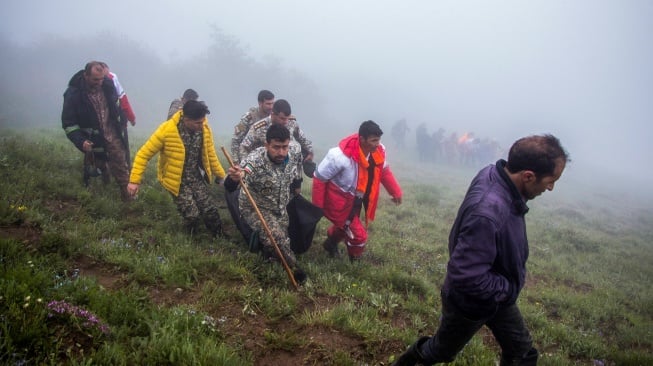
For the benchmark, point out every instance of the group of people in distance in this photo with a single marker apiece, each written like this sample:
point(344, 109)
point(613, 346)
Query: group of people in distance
point(488, 247)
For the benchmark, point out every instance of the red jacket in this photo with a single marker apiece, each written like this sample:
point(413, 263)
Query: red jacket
point(336, 178)
point(124, 101)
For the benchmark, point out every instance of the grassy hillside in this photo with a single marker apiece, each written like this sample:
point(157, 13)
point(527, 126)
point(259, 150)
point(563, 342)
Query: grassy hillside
point(86, 279)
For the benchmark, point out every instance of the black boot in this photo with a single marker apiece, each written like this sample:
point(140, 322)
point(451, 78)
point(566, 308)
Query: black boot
point(191, 227)
point(215, 227)
point(355, 260)
point(331, 247)
point(213, 223)
point(530, 359)
point(300, 275)
point(412, 356)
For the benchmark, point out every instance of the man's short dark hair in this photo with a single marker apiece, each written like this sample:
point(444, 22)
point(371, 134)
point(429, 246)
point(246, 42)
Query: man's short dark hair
point(281, 106)
point(277, 132)
point(264, 95)
point(190, 94)
point(538, 153)
point(195, 109)
point(88, 68)
point(369, 128)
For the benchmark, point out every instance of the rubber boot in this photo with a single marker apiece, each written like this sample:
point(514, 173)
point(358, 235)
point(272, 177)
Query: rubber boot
point(412, 356)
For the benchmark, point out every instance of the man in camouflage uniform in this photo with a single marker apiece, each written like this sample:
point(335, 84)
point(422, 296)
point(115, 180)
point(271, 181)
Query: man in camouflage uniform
point(177, 104)
point(187, 164)
point(91, 119)
point(281, 115)
point(253, 115)
point(270, 173)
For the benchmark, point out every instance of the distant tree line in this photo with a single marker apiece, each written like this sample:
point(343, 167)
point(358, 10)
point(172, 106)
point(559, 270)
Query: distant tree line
point(227, 77)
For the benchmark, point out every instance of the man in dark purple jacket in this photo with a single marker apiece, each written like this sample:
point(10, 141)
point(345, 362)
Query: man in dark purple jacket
point(488, 250)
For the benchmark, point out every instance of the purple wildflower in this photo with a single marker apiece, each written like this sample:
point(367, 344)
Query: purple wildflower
point(88, 319)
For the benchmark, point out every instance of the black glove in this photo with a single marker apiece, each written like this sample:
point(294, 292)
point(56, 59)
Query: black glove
point(296, 184)
point(300, 275)
point(309, 168)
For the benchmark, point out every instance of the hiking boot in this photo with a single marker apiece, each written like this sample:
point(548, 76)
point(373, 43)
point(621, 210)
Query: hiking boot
point(331, 247)
point(412, 356)
point(300, 276)
point(191, 227)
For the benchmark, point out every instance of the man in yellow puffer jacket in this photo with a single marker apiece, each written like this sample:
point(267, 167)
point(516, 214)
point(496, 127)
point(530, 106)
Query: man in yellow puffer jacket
point(187, 165)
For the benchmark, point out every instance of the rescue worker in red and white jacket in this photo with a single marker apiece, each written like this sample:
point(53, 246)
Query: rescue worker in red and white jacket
point(347, 182)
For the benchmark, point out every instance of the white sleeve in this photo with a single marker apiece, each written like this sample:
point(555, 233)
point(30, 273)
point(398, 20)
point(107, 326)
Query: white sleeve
point(330, 166)
point(116, 83)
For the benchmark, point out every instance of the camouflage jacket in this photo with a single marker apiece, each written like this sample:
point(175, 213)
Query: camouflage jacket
point(269, 183)
point(256, 137)
point(193, 141)
point(175, 106)
point(240, 130)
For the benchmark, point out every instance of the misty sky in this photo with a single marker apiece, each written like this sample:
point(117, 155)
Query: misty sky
point(582, 70)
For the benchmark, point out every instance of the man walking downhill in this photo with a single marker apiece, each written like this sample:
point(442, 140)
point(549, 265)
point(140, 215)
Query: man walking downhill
point(253, 115)
point(187, 165)
point(488, 250)
point(270, 173)
point(281, 115)
point(347, 182)
point(91, 120)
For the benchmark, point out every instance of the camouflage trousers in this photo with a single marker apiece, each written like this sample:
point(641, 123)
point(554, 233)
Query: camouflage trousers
point(114, 161)
point(195, 204)
point(278, 225)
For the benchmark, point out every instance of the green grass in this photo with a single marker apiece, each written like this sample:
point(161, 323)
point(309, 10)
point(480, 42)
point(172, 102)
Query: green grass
point(168, 298)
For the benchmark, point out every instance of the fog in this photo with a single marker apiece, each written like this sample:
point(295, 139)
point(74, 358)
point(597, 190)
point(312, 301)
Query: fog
point(581, 70)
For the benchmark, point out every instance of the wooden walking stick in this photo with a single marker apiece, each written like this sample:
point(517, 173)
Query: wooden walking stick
point(265, 225)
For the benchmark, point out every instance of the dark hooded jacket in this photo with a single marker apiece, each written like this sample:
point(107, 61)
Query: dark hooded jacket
point(78, 117)
point(488, 247)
